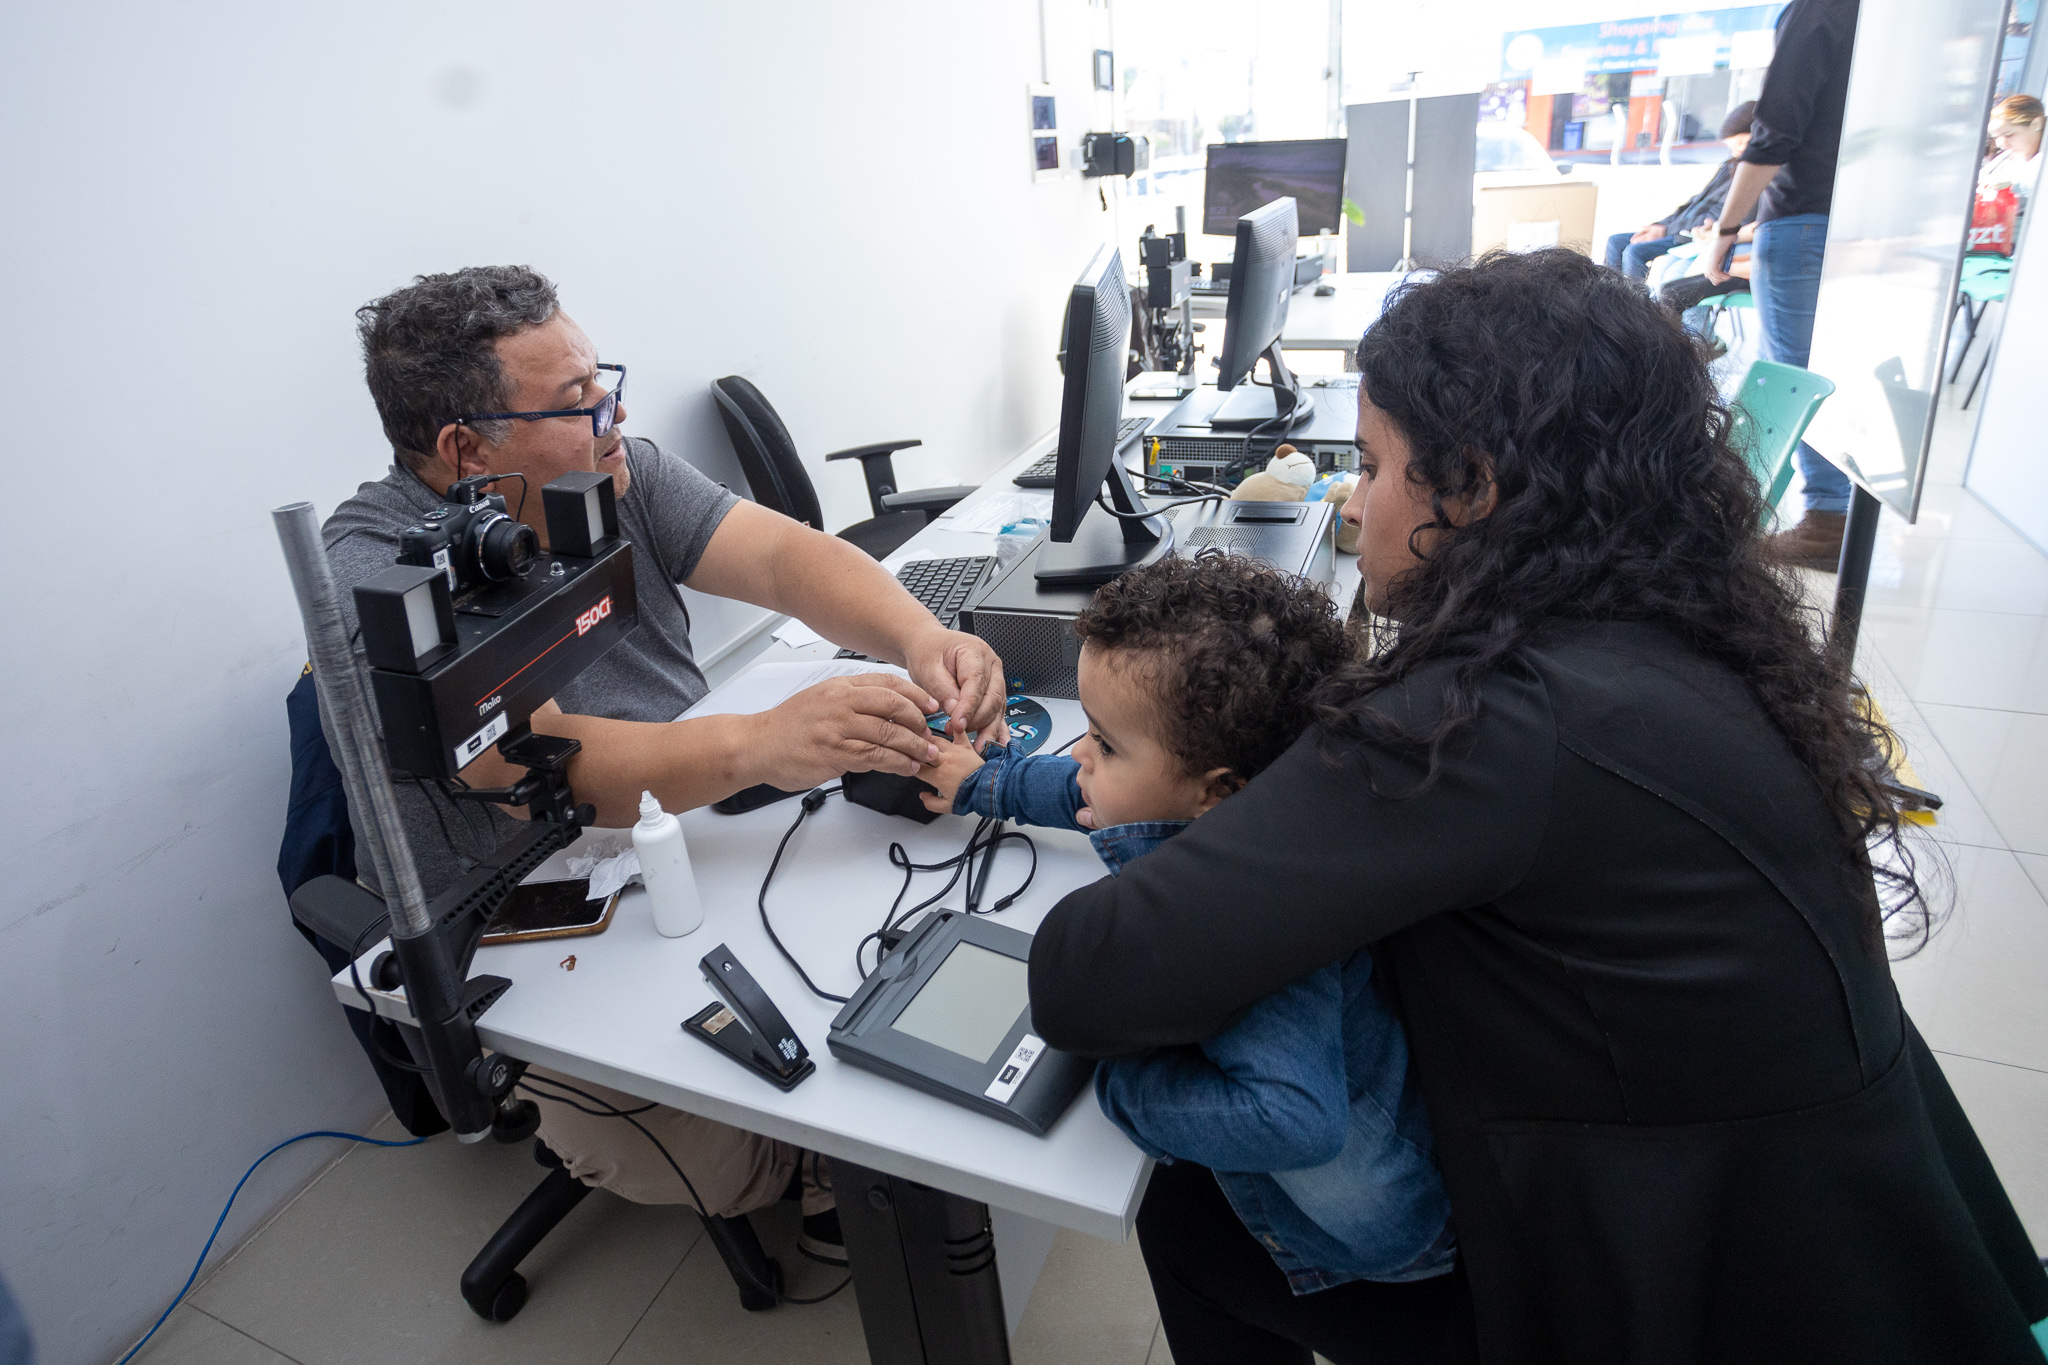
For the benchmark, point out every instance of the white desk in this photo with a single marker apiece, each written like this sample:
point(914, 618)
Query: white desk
point(1334, 323)
point(616, 1017)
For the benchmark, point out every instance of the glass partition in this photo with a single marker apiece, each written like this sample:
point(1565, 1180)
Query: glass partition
point(1912, 138)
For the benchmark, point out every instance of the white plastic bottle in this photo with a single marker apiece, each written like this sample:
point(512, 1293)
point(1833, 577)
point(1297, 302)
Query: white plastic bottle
point(665, 867)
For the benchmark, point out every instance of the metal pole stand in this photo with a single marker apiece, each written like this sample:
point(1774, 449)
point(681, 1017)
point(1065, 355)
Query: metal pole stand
point(924, 1271)
point(1852, 575)
point(1852, 586)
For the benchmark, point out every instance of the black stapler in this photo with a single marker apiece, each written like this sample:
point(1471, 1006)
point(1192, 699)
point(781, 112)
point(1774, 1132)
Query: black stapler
point(746, 1026)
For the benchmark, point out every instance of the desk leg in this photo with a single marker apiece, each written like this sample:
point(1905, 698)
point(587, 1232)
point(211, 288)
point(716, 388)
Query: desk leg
point(924, 1271)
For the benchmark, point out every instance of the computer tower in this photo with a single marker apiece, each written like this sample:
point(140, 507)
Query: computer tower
point(1032, 627)
point(1184, 445)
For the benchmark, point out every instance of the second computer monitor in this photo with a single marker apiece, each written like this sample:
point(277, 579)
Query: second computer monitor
point(1261, 283)
point(1090, 543)
point(1243, 175)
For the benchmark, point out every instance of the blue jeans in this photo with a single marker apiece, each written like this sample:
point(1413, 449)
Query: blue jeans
point(1633, 258)
point(1785, 280)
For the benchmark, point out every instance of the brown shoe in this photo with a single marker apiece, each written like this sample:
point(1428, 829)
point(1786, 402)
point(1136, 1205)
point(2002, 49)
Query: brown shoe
point(1815, 543)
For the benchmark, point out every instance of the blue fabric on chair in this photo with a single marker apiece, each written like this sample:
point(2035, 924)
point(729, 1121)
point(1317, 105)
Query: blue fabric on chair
point(319, 843)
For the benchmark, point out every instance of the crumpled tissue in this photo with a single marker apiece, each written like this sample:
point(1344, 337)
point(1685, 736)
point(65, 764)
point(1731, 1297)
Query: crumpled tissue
point(611, 865)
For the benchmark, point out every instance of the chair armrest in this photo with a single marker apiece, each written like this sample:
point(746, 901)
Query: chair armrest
point(869, 452)
point(930, 501)
point(877, 468)
point(338, 910)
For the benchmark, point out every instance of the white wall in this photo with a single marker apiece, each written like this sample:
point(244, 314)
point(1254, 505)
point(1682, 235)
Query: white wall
point(2009, 454)
point(833, 199)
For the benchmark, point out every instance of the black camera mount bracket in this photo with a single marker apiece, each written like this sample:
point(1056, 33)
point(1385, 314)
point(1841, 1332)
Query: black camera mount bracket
point(544, 791)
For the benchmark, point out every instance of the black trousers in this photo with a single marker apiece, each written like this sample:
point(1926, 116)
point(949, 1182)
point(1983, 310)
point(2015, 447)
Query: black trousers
point(1224, 1302)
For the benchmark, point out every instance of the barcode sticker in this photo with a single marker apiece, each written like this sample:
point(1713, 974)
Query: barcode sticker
point(1013, 1071)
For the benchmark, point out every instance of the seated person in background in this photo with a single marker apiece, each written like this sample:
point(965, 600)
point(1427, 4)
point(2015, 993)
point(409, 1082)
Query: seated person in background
point(1631, 253)
point(2015, 130)
point(1682, 296)
point(1195, 676)
point(480, 372)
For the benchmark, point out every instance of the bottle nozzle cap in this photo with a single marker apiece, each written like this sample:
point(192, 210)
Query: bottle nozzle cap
point(649, 807)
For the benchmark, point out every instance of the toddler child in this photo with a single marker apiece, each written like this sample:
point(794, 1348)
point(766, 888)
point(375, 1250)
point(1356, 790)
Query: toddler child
point(1195, 675)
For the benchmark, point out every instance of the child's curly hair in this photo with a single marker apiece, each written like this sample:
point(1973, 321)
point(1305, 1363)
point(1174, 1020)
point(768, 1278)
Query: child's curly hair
point(1235, 647)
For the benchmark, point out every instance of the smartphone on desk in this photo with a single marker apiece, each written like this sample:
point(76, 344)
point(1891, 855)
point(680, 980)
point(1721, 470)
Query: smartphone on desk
point(550, 910)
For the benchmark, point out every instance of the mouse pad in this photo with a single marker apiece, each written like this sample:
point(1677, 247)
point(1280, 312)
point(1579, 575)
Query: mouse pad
point(1029, 724)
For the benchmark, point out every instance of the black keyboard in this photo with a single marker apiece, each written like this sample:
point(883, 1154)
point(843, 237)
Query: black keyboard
point(1039, 474)
point(942, 585)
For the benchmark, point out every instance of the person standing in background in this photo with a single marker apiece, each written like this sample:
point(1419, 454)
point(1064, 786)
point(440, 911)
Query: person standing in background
point(1788, 176)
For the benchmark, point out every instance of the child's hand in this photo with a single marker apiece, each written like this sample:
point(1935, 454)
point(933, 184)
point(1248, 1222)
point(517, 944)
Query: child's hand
point(956, 763)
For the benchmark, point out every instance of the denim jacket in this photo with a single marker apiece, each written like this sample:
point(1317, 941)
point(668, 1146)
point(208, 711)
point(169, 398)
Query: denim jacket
point(1305, 1108)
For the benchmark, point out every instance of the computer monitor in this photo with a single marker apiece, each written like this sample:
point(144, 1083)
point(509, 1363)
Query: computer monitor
point(1088, 545)
point(1244, 175)
point(1261, 283)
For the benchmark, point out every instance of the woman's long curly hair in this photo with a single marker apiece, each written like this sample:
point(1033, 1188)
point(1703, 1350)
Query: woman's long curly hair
point(1619, 497)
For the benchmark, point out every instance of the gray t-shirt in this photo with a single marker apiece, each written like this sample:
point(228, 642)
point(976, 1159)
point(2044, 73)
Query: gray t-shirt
point(667, 515)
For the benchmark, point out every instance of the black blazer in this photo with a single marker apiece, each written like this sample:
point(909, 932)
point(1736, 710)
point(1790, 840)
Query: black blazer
point(1680, 1111)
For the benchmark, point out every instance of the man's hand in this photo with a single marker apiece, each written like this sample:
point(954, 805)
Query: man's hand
point(871, 722)
point(1650, 232)
point(955, 764)
point(964, 674)
point(1719, 248)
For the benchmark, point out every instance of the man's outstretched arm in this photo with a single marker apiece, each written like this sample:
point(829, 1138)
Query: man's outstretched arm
point(870, 722)
point(765, 558)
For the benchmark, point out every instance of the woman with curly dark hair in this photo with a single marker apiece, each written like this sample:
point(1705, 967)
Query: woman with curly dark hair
point(1602, 808)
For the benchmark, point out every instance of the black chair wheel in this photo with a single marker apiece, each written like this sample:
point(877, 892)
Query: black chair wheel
point(516, 1122)
point(505, 1301)
point(754, 1300)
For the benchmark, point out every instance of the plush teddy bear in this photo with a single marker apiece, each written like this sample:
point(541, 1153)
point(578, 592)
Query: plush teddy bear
point(1286, 478)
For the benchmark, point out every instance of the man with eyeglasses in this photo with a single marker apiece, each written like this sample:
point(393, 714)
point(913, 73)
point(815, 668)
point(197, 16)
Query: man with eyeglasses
point(479, 372)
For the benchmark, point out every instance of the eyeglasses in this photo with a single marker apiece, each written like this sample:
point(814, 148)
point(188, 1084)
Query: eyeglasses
point(603, 417)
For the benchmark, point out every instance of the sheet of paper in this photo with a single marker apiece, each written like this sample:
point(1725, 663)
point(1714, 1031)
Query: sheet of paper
point(989, 515)
point(766, 686)
point(796, 634)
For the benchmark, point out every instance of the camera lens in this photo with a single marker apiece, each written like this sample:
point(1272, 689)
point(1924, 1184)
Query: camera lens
point(504, 547)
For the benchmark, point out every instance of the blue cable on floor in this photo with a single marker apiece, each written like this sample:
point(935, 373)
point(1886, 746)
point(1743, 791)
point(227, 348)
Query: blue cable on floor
point(218, 1222)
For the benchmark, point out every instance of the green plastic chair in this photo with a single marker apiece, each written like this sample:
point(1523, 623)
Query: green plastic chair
point(1772, 407)
point(1738, 296)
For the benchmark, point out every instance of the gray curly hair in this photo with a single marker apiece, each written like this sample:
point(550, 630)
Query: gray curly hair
point(430, 351)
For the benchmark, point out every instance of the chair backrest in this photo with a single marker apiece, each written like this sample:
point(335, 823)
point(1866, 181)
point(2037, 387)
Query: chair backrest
point(1772, 406)
point(767, 455)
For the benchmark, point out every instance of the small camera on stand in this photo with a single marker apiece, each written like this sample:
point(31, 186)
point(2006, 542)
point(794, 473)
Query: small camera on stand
point(471, 537)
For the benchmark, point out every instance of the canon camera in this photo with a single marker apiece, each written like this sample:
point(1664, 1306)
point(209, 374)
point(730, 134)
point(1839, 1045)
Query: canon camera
point(471, 538)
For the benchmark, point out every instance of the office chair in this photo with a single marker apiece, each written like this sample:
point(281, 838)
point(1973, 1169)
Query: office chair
point(334, 911)
point(768, 458)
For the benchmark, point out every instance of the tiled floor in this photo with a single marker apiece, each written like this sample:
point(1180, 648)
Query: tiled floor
point(363, 1266)
point(362, 1269)
point(1955, 647)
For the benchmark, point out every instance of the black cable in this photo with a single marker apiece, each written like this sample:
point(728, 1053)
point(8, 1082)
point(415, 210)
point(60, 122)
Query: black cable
point(811, 802)
point(443, 786)
point(520, 514)
point(1177, 484)
point(420, 784)
point(977, 842)
point(1162, 507)
point(613, 1111)
point(1071, 743)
